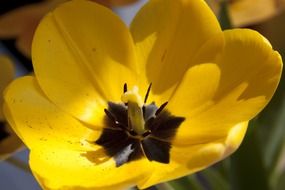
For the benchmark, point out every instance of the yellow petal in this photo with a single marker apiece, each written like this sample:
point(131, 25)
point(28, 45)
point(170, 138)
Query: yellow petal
point(81, 54)
point(38, 122)
point(6, 75)
point(190, 159)
point(196, 90)
point(243, 81)
point(73, 170)
point(167, 35)
point(193, 96)
point(67, 167)
point(248, 58)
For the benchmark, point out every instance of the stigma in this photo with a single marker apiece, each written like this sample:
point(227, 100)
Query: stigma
point(132, 96)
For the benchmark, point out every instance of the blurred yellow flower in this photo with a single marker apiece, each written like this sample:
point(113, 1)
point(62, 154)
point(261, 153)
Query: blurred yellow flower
point(249, 12)
point(9, 142)
point(22, 22)
point(110, 108)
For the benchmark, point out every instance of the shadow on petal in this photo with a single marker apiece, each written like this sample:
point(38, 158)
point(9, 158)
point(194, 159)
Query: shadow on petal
point(97, 157)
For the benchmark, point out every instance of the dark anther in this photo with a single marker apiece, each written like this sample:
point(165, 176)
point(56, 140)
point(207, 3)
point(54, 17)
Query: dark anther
point(161, 108)
point(143, 109)
point(147, 92)
point(125, 88)
point(110, 115)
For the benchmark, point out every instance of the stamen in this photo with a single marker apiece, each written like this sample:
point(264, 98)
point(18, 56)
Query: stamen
point(143, 109)
point(110, 115)
point(161, 108)
point(147, 93)
point(125, 88)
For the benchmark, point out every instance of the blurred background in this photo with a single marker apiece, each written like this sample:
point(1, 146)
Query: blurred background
point(260, 161)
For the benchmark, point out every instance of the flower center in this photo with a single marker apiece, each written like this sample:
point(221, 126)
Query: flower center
point(134, 129)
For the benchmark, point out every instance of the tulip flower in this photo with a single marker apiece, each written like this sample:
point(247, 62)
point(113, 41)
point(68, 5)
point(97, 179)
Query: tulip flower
point(111, 107)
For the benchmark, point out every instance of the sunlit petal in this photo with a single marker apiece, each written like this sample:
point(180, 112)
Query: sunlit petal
point(78, 61)
point(167, 35)
point(190, 159)
point(67, 169)
point(39, 122)
point(239, 86)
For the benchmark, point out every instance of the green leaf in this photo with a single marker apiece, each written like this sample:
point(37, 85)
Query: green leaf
point(276, 136)
point(281, 182)
point(186, 183)
point(164, 186)
point(214, 179)
point(224, 18)
point(271, 134)
point(247, 165)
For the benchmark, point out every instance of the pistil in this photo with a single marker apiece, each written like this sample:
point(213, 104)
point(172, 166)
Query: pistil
point(135, 112)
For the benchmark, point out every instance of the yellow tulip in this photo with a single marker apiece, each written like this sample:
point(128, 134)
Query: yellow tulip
point(9, 142)
point(111, 107)
point(249, 12)
point(22, 22)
